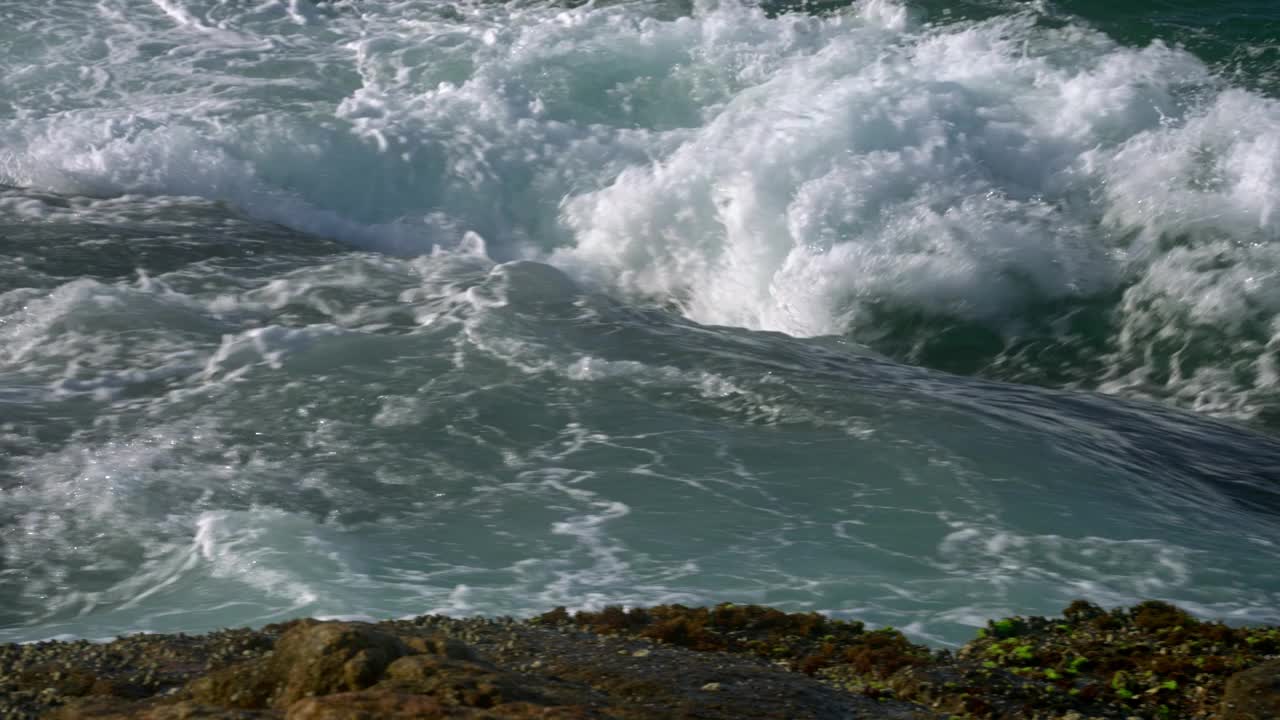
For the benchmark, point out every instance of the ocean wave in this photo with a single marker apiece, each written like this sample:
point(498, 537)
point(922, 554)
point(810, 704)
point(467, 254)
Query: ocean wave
point(1011, 193)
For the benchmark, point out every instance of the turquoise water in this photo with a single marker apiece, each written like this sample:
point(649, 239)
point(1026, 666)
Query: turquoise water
point(915, 313)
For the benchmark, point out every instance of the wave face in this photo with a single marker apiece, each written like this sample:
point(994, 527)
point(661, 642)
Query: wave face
point(391, 307)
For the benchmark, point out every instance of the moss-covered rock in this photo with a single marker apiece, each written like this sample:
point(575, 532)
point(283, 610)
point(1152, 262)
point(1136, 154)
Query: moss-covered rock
point(310, 659)
point(326, 658)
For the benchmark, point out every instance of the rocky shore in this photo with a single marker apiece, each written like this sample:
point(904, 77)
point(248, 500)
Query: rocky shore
point(731, 661)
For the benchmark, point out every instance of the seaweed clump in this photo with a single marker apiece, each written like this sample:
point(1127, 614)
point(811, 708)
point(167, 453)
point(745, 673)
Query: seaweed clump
point(805, 642)
point(1152, 660)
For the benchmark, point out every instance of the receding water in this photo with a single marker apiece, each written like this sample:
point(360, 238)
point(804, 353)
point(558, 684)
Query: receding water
point(919, 314)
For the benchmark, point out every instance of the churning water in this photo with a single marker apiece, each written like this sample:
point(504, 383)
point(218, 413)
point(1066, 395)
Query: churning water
point(916, 313)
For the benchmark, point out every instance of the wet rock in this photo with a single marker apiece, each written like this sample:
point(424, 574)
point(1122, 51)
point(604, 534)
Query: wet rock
point(118, 687)
point(372, 706)
point(105, 709)
point(805, 641)
point(441, 645)
point(309, 659)
point(331, 657)
point(248, 685)
point(63, 682)
point(378, 704)
point(1253, 694)
point(727, 662)
point(456, 682)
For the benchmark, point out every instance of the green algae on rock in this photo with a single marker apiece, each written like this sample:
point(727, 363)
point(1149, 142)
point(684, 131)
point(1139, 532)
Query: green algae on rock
point(1151, 660)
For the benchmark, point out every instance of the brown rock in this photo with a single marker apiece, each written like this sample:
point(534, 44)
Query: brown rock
point(456, 682)
point(371, 705)
point(195, 711)
point(1253, 694)
point(108, 709)
point(331, 658)
point(247, 685)
point(440, 645)
point(95, 709)
point(378, 704)
point(63, 681)
point(310, 659)
point(117, 687)
point(530, 711)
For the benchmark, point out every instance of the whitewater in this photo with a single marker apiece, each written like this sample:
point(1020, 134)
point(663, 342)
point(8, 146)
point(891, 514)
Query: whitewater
point(919, 314)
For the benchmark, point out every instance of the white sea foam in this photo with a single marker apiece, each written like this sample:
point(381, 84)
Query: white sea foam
point(793, 173)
